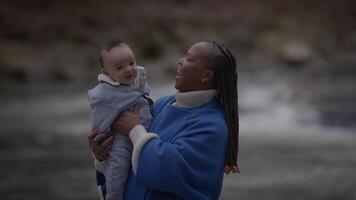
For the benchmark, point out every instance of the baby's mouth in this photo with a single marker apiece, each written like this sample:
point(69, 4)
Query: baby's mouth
point(129, 76)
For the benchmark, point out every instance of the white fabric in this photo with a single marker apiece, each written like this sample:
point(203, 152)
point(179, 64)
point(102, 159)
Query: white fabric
point(105, 78)
point(139, 138)
point(194, 98)
point(99, 165)
point(100, 191)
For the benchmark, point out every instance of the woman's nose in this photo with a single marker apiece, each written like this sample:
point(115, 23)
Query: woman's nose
point(180, 61)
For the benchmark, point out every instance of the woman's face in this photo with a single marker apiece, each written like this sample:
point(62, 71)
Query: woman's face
point(192, 66)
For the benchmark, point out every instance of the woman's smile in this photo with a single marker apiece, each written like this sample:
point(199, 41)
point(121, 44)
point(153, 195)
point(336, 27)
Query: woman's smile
point(179, 73)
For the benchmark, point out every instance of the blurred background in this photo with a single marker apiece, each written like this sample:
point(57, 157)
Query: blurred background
point(297, 89)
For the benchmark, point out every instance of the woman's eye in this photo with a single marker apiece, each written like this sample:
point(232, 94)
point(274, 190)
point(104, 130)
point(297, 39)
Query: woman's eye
point(119, 68)
point(132, 63)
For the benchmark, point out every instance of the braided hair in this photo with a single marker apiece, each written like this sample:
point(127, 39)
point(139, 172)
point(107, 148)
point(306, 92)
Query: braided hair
point(225, 71)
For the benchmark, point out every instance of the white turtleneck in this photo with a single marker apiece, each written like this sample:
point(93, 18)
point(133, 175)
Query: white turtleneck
point(194, 98)
point(139, 135)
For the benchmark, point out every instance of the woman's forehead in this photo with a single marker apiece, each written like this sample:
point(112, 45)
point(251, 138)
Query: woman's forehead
point(202, 49)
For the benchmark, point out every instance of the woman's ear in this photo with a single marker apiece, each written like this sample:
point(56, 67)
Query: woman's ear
point(208, 76)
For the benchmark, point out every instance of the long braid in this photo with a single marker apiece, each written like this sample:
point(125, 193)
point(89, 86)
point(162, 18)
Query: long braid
point(224, 68)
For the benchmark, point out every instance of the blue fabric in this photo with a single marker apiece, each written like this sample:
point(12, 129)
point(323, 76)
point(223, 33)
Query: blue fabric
point(187, 161)
point(100, 180)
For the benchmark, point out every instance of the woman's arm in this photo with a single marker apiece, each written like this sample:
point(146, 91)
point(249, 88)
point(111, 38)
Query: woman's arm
point(100, 151)
point(129, 124)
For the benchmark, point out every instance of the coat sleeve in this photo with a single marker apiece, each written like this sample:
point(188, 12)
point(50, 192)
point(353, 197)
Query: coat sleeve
point(187, 165)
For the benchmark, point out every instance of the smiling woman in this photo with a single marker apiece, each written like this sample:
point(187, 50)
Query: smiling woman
point(193, 136)
point(194, 70)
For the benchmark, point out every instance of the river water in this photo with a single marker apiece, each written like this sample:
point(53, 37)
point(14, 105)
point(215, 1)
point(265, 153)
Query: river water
point(284, 151)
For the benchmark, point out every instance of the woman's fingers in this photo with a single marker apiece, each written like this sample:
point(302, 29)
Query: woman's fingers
point(116, 122)
point(91, 137)
point(137, 109)
point(99, 144)
point(98, 137)
point(108, 148)
point(107, 142)
point(126, 121)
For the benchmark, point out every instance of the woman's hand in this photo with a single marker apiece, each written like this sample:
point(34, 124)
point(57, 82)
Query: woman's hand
point(126, 121)
point(100, 150)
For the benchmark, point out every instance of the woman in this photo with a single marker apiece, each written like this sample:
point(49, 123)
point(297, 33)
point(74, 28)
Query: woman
point(193, 135)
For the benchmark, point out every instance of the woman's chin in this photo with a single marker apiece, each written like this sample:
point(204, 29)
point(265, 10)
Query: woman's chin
point(176, 85)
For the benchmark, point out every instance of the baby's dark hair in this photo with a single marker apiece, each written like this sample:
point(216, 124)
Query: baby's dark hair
point(226, 75)
point(108, 46)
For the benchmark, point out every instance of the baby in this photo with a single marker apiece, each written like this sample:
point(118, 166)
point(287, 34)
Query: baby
point(122, 86)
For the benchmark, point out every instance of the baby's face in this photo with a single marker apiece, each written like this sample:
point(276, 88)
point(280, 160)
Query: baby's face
point(120, 64)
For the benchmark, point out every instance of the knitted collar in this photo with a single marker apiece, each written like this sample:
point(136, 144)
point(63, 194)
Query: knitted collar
point(107, 79)
point(194, 98)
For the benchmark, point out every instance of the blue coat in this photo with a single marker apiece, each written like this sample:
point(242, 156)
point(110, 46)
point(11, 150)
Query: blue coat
point(187, 161)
